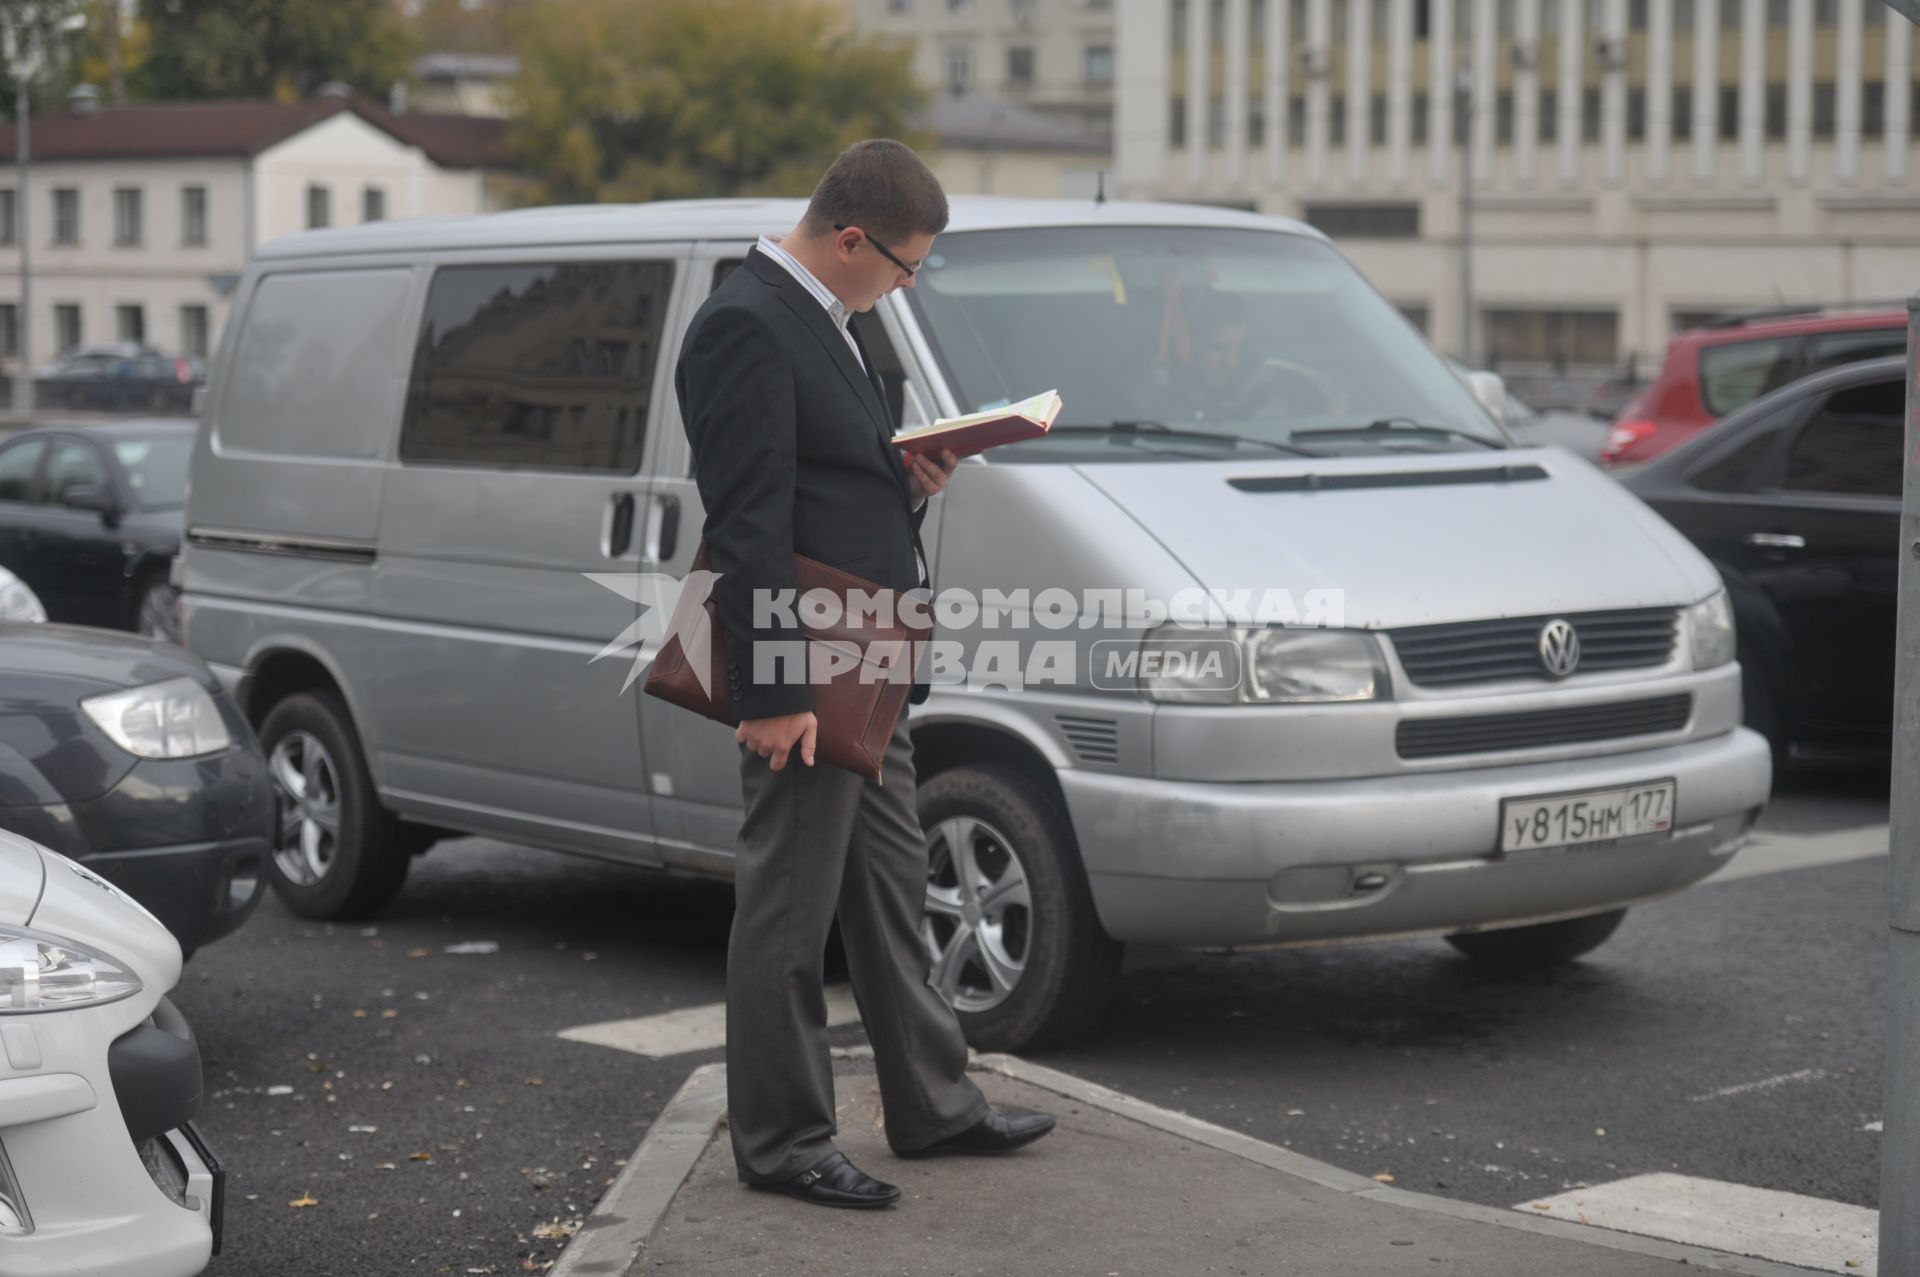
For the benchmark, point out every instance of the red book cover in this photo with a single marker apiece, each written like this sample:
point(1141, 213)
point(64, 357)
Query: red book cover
point(989, 428)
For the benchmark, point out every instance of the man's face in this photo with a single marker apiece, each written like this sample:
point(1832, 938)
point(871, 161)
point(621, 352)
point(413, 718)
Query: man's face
point(1217, 353)
point(878, 276)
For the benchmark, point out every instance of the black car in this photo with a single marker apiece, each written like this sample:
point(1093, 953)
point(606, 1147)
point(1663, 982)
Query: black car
point(119, 377)
point(91, 517)
point(124, 754)
point(1796, 499)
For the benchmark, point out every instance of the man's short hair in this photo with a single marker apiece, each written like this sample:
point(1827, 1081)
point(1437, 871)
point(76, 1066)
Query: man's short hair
point(882, 187)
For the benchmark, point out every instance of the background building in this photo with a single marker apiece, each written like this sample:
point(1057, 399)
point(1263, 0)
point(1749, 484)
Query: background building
point(1055, 57)
point(141, 217)
point(1634, 165)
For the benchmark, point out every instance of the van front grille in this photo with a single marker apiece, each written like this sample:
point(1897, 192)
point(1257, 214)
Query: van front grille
point(1488, 651)
point(1541, 729)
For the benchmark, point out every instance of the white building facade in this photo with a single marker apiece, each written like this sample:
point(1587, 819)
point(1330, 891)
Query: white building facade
point(1631, 166)
point(139, 219)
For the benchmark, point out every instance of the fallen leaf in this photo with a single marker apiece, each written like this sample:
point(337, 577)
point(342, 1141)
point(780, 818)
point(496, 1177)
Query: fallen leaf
point(303, 1201)
point(1541, 1206)
point(534, 1081)
point(420, 1157)
point(360, 1013)
point(419, 953)
point(389, 1014)
point(1384, 1178)
point(555, 1231)
point(386, 1166)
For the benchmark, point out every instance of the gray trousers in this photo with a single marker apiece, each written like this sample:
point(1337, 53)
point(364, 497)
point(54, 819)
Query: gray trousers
point(816, 840)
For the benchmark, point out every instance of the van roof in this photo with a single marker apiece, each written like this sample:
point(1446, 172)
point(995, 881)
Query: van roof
point(730, 219)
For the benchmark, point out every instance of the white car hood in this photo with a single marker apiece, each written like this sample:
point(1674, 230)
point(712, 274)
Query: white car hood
point(1405, 550)
point(22, 878)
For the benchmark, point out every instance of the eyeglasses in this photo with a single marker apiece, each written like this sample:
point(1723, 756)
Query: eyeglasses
point(884, 250)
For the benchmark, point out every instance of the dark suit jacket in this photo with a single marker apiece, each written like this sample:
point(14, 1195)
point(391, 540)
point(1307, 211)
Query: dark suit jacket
point(791, 454)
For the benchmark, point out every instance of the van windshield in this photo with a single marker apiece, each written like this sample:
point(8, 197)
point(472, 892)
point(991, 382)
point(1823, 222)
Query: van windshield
point(1187, 342)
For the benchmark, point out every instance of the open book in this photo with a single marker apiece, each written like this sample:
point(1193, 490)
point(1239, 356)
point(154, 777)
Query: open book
point(978, 431)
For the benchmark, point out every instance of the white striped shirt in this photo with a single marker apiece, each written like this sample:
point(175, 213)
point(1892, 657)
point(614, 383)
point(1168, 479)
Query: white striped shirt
point(836, 309)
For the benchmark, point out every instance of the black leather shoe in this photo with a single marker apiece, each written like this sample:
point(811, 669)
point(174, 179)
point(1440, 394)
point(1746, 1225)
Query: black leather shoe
point(836, 1182)
point(997, 1132)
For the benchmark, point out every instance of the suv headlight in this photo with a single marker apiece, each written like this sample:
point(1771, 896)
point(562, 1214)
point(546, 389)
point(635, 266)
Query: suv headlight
point(1710, 631)
point(1260, 665)
point(17, 602)
point(174, 719)
point(39, 972)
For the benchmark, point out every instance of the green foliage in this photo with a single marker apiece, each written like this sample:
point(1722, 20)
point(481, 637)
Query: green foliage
point(631, 100)
point(281, 49)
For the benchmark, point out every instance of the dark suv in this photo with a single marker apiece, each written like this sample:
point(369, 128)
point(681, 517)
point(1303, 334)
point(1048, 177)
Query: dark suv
point(1740, 356)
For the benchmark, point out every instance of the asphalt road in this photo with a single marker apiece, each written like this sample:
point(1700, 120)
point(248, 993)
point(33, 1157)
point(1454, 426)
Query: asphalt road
point(1733, 1032)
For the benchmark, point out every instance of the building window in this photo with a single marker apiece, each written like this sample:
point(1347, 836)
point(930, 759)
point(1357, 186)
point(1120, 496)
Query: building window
point(1873, 108)
point(1558, 339)
point(1776, 13)
point(9, 330)
point(1419, 130)
point(1503, 117)
point(1549, 114)
point(9, 218)
point(1776, 121)
point(899, 6)
point(1823, 110)
point(130, 321)
point(1099, 66)
point(1729, 113)
point(193, 216)
point(373, 204)
point(1257, 24)
point(319, 207)
point(1216, 121)
point(1365, 221)
point(1020, 68)
point(1590, 115)
point(545, 364)
point(1257, 119)
point(127, 217)
point(1683, 15)
point(1337, 120)
point(1636, 114)
point(1417, 314)
point(193, 331)
point(1178, 38)
point(66, 215)
point(67, 332)
point(1177, 122)
point(959, 67)
point(959, 6)
point(1217, 24)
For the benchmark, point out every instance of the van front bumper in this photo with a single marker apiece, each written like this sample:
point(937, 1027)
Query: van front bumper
point(1261, 864)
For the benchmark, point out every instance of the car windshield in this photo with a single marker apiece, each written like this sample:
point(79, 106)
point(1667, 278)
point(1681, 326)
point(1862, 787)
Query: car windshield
point(1248, 333)
point(156, 470)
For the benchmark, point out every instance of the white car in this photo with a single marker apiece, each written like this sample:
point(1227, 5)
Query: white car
point(17, 601)
point(102, 1171)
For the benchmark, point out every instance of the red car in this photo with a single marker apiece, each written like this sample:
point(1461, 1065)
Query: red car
point(1739, 357)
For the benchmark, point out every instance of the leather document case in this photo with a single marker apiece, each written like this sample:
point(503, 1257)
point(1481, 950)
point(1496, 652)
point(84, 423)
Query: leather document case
point(869, 665)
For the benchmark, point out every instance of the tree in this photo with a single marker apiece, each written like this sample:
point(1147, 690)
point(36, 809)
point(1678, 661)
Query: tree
point(659, 99)
point(283, 49)
point(46, 38)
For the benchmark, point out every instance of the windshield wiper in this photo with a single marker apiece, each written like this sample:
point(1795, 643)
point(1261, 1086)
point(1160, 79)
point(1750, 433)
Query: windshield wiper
point(1382, 426)
point(1160, 430)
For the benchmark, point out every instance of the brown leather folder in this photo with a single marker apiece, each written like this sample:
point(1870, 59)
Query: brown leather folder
point(857, 707)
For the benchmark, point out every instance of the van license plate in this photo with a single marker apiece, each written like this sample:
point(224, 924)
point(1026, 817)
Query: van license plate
point(1600, 815)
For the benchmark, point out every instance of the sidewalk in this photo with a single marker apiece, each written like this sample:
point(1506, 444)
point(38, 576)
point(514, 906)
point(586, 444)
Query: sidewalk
point(1120, 1189)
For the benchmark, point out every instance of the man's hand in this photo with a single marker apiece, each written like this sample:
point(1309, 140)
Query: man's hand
point(773, 738)
point(926, 475)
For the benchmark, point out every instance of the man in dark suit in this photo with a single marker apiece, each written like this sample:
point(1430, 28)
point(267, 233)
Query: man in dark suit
point(792, 455)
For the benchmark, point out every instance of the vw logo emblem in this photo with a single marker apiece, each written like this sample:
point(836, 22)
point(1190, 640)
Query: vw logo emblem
point(1559, 648)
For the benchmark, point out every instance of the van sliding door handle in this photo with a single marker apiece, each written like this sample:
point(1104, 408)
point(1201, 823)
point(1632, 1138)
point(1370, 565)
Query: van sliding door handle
point(1776, 541)
point(620, 526)
point(663, 528)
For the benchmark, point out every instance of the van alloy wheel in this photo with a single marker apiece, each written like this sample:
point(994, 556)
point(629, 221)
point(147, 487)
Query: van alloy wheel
point(308, 786)
point(979, 914)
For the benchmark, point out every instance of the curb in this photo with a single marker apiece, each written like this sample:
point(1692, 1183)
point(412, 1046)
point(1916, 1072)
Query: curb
point(624, 1220)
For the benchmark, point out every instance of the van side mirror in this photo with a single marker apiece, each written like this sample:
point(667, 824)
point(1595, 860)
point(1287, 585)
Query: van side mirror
point(1491, 390)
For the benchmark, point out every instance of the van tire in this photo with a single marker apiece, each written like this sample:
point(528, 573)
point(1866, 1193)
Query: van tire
point(1071, 964)
point(359, 870)
point(1545, 944)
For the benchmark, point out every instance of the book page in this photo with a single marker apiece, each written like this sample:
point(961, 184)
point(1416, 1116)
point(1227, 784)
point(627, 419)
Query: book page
point(1042, 407)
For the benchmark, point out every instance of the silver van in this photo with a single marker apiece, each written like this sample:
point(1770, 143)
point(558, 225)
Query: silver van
point(1435, 684)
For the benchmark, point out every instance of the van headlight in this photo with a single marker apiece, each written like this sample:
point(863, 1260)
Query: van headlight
point(1260, 665)
point(39, 972)
point(174, 719)
point(17, 602)
point(1710, 631)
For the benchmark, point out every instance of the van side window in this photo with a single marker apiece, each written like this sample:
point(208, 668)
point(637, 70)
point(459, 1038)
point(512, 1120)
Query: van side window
point(546, 364)
point(1852, 445)
point(18, 465)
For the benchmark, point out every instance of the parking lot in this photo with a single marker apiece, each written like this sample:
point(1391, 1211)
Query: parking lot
point(395, 1097)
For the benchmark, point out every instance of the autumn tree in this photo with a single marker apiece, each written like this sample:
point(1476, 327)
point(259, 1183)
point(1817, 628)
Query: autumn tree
point(282, 49)
point(627, 100)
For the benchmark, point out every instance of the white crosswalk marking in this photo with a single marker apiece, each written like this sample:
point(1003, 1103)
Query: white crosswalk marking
point(1763, 1223)
point(701, 1028)
point(1770, 853)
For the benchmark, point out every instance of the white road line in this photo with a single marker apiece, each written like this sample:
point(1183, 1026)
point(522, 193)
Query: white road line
point(1764, 1084)
point(701, 1028)
point(1763, 1223)
point(1768, 853)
